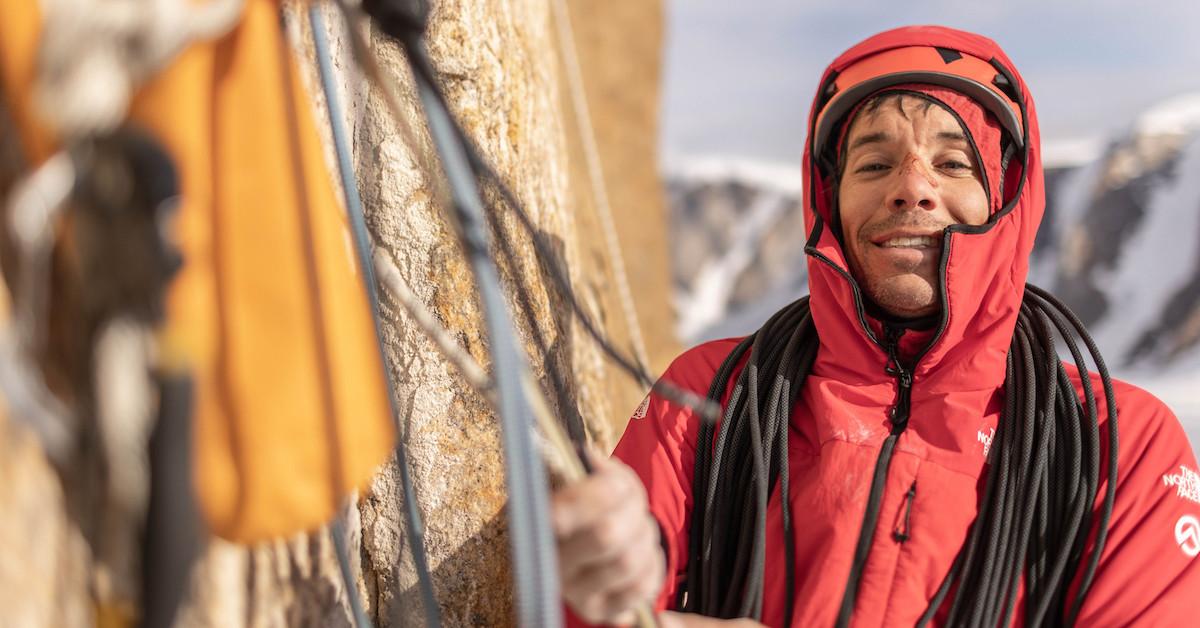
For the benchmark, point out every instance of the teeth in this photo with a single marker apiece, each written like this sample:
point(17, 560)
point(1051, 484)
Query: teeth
point(913, 242)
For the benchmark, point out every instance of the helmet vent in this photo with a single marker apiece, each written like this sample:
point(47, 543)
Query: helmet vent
point(948, 55)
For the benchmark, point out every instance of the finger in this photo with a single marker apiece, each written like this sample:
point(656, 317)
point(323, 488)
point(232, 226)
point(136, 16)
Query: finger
point(669, 619)
point(611, 575)
point(616, 607)
point(595, 459)
point(625, 527)
point(636, 574)
point(641, 588)
point(578, 505)
point(588, 591)
point(582, 503)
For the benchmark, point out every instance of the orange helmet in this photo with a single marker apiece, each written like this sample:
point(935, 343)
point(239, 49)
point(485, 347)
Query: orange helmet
point(987, 82)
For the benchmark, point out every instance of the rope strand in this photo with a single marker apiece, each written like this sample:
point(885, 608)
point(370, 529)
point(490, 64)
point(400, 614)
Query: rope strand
point(587, 136)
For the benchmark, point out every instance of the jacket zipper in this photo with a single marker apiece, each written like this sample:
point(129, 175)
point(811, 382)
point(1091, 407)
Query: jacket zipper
point(902, 531)
point(899, 418)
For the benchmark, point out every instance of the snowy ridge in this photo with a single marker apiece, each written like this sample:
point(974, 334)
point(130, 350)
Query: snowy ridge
point(1177, 116)
point(1070, 153)
point(707, 302)
point(1159, 258)
point(766, 175)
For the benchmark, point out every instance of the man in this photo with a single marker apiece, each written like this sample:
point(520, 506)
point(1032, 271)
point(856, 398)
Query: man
point(904, 446)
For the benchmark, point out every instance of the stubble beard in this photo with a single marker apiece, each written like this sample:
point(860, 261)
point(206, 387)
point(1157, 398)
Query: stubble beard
point(907, 295)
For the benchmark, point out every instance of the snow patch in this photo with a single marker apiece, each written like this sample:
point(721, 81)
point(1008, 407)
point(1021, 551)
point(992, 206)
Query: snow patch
point(1149, 273)
point(1071, 152)
point(781, 177)
point(707, 301)
point(1176, 116)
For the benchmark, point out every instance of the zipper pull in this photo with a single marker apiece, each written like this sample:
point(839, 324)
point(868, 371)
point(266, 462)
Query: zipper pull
point(899, 412)
point(903, 529)
point(891, 344)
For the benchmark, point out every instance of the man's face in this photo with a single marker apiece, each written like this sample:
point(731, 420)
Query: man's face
point(909, 172)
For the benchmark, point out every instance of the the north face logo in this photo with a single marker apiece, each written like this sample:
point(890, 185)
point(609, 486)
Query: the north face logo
point(1187, 534)
point(986, 440)
point(643, 407)
point(1186, 483)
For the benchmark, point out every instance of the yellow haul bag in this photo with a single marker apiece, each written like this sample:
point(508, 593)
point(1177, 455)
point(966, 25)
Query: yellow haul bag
point(269, 311)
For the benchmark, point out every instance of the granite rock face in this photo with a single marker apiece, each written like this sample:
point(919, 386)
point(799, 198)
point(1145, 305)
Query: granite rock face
point(501, 68)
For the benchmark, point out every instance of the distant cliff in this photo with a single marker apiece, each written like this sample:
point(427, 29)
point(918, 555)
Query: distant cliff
point(1123, 245)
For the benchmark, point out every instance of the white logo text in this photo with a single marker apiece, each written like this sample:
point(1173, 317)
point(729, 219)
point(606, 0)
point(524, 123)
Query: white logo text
point(986, 439)
point(1186, 483)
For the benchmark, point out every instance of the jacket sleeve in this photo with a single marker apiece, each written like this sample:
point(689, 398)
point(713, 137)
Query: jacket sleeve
point(659, 444)
point(1149, 572)
point(661, 448)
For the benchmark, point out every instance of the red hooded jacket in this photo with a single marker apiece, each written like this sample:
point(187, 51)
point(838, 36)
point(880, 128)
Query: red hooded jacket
point(1148, 572)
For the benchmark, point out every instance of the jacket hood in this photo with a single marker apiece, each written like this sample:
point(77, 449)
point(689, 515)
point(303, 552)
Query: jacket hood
point(983, 268)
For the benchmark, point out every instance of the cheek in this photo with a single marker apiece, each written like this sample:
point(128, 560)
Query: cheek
point(970, 205)
point(852, 217)
point(851, 214)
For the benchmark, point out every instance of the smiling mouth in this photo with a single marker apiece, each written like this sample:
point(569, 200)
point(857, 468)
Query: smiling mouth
point(910, 242)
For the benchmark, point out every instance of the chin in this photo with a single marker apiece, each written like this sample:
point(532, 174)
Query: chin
point(907, 296)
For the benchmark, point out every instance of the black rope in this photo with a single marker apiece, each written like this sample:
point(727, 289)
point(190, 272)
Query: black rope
point(1036, 509)
point(404, 20)
point(546, 258)
point(556, 377)
point(414, 526)
point(1045, 470)
point(735, 476)
point(1035, 514)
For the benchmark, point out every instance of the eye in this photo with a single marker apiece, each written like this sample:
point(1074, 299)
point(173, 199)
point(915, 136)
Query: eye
point(872, 167)
point(954, 164)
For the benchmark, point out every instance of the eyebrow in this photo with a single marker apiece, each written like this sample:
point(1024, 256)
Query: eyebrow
point(870, 138)
point(882, 136)
point(954, 136)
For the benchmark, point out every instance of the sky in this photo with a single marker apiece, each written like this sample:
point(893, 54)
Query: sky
point(740, 77)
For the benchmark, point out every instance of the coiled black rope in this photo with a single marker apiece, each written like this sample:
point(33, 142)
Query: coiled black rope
point(734, 478)
point(1035, 515)
point(1044, 480)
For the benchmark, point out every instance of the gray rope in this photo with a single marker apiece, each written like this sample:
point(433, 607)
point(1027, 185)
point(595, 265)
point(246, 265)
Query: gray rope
point(362, 244)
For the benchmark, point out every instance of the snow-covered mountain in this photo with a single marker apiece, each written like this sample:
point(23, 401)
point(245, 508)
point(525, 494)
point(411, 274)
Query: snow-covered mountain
point(1120, 244)
point(738, 239)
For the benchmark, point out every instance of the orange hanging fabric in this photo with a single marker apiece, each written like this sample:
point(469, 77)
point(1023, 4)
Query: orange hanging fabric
point(269, 312)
